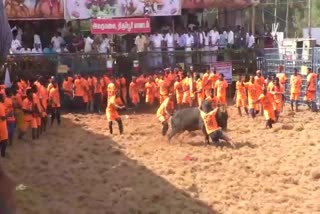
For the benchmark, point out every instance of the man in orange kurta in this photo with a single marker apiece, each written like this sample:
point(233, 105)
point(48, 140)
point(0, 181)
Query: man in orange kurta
point(114, 103)
point(3, 127)
point(295, 83)
point(55, 103)
point(267, 101)
point(241, 95)
point(278, 93)
point(28, 108)
point(123, 89)
point(178, 90)
point(78, 94)
point(150, 88)
point(134, 92)
point(311, 88)
point(221, 86)
point(164, 112)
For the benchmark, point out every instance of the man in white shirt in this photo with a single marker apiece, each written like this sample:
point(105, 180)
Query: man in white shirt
point(15, 44)
point(37, 40)
point(206, 48)
point(230, 38)
point(188, 47)
point(88, 44)
point(214, 37)
point(141, 43)
point(105, 45)
point(170, 40)
point(251, 41)
point(36, 49)
point(157, 40)
point(56, 41)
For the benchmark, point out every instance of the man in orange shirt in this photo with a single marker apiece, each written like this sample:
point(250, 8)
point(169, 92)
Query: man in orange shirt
point(164, 112)
point(78, 94)
point(267, 101)
point(163, 89)
point(221, 90)
point(67, 87)
point(281, 75)
point(253, 95)
point(311, 88)
point(213, 77)
point(134, 92)
point(206, 83)
point(186, 100)
point(211, 125)
point(111, 88)
point(9, 110)
point(295, 82)
point(278, 93)
point(123, 86)
point(241, 95)
point(199, 90)
point(112, 113)
point(43, 96)
point(54, 100)
point(85, 98)
point(3, 127)
point(260, 79)
point(178, 89)
point(38, 110)
point(28, 108)
point(150, 88)
point(97, 93)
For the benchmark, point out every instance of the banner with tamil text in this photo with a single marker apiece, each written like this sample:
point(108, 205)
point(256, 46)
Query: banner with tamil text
point(85, 9)
point(34, 9)
point(120, 26)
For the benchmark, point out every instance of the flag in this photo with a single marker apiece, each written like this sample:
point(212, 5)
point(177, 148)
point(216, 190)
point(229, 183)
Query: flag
point(7, 81)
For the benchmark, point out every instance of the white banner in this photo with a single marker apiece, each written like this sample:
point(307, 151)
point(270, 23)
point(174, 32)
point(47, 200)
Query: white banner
point(85, 9)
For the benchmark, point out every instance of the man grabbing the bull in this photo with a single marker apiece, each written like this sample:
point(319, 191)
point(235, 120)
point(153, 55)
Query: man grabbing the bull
point(210, 122)
point(164, 112)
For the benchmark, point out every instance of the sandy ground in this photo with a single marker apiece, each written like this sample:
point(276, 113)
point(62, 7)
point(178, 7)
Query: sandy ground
point(79, 168)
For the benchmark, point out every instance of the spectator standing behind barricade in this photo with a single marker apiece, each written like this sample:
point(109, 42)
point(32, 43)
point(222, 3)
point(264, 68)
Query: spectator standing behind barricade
point(222, 41)
point(37, 41)
point(57, 40)
point(189, 43)
point(170, 43)
point(156, 41)
point(15, 44)
point(88, 42)
point(214, 36)
point(141, 43)
point(37, 49)
point(230, 38)
point(105, 45)
point(251, 40)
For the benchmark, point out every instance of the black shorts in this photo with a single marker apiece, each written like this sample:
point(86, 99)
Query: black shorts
point(216, 136)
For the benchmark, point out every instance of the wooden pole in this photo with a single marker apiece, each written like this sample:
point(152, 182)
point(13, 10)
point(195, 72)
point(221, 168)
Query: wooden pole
point(287, 16)
point(253, 20)
point(309, 18)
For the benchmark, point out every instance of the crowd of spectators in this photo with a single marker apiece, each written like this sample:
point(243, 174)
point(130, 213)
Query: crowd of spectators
point(193, 37)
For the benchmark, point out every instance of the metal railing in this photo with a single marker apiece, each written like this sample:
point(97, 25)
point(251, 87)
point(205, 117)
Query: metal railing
point(290, 58)
point(33, 64)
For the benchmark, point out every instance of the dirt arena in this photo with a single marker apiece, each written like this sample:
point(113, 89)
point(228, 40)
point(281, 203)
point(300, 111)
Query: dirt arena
point(79, 168)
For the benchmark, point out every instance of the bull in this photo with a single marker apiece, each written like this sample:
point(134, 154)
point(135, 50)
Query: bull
point(189, 119)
